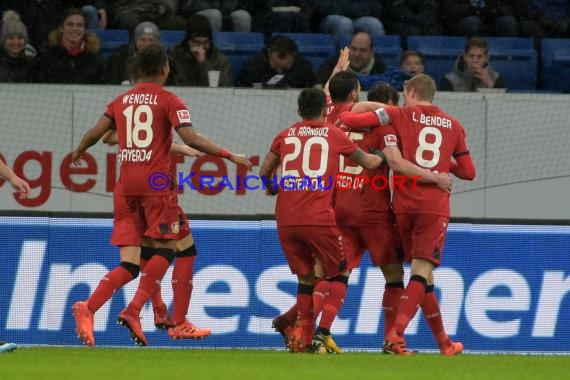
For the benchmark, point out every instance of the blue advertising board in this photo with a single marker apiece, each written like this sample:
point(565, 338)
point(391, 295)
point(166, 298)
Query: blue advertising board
point(502, 288)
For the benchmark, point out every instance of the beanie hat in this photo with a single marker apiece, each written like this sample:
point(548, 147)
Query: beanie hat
point(144, 28)
point(198, 26)
point(12, 26)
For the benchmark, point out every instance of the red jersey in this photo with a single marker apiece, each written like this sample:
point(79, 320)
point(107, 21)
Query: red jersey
point(309, 157)
point(428, 137)
point(335, 109)
point(144, 118)
point(363, 195)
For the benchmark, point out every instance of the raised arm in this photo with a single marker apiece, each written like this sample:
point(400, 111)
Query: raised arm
point(192, 138)
point(366, 106)
point(341, 65)
point(359, 120)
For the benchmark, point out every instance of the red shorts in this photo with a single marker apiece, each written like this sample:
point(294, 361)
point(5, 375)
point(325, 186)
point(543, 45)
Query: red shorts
point(184, 224)
point(151, 216)
point(422, 236)
point(303, 244)
point(379, 239)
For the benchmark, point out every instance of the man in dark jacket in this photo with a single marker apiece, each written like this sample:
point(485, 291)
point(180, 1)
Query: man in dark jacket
point(277, 65)
point(361, 56)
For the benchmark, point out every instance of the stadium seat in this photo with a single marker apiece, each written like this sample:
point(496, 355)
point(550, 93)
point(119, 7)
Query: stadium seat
point(111, 39)
point(440, 53)
point(171, 38)
point(388, 47)
point(316, 47)
point(556, 64)
point(238, 46)
point(516, 60)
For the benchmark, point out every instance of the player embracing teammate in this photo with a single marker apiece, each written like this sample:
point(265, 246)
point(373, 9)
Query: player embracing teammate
point(144, 118)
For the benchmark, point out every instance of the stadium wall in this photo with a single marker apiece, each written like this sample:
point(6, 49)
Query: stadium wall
point(503, 288)
point(519, 143)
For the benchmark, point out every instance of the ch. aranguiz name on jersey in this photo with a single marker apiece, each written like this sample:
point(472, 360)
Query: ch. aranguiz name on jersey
point(308, 131)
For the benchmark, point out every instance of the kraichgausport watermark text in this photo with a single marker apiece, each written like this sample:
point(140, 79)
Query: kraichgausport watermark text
point(341, 181)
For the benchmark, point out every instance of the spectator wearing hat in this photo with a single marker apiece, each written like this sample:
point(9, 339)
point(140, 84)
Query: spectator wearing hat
point(73, 54)
point(118, 63)
point(277, 65)
point(18, 61)
point(197, 54)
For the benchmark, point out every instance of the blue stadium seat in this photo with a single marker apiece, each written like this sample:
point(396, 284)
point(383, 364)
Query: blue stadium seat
point(388, 47)
point(516, 60)
point(316, 47)
point(556, 64)
point(111, 39)
point(440, 53)
point(171, 38)
point(239, 46)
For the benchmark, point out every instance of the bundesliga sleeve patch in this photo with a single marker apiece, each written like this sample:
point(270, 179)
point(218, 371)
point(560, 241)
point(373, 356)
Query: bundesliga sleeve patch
point(183, 116)
point(383, 116)
point(390, 140)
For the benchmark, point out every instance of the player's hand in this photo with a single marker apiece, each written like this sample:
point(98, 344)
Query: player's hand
point(343, 62)
point(20, 186)
point(76, 158)
point(199, 53)
point(443, 181)
point(241, 159)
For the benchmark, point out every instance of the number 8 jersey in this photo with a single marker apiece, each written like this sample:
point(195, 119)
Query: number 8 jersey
point(144, 118)
point(428, 137)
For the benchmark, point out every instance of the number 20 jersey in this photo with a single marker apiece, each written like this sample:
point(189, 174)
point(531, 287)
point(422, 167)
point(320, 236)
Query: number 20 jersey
point(428, 137)
point(144, 118)
point(309, 152)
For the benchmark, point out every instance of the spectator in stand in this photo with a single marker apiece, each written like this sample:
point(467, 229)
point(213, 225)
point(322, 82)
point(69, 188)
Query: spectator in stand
point(412, 17)
point(278, 16)
point(412, 63)
point(345, 17)
point(130, 13)
point(472, 70)
point(73, 55)
point(18, 61)
point(361, 56)
point(277, 65)
point(119, 63)
point(480, 17)
point(222, 14)
point(197, 54)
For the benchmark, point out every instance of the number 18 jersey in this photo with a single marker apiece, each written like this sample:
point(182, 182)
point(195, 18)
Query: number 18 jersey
point(144, 118)
point(428, 137)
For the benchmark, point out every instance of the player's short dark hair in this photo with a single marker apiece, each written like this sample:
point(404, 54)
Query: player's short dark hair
point(311, 102)
point(149, 61)
point(382, 92)
point(341, 85)
point(283, 46)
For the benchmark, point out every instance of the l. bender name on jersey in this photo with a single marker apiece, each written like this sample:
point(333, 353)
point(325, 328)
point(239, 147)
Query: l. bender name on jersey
point(432, 120)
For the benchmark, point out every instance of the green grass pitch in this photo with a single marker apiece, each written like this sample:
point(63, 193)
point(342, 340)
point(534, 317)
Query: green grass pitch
point(169, 364)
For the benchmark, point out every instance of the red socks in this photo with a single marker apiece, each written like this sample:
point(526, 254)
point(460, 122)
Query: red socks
point(432, 314)
point(305, 306)
point(392, 293)
point(182, 287)
point(410, 300)
point(149, 283)
point(335, 293)
point(113, 281)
